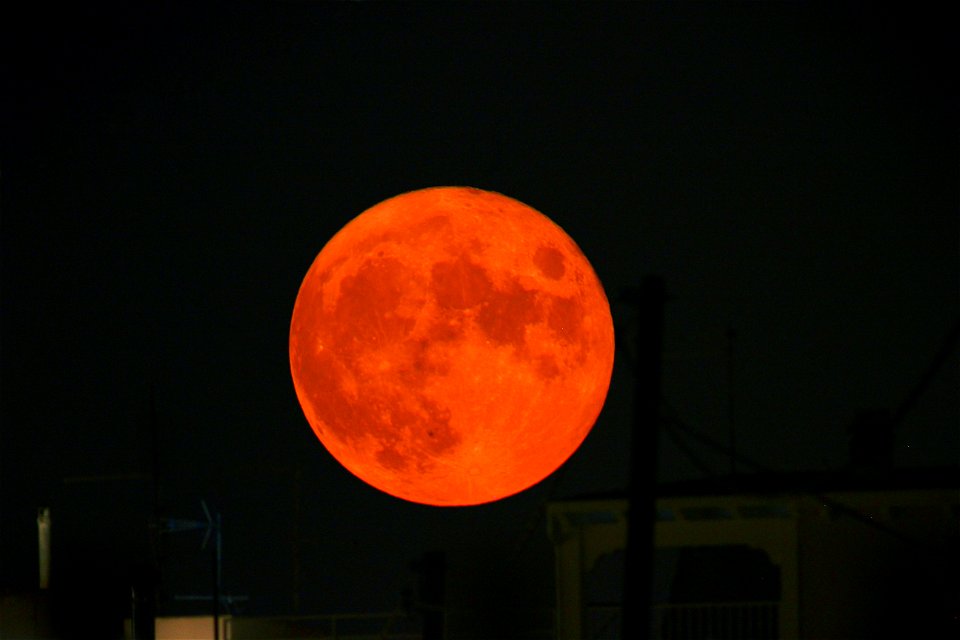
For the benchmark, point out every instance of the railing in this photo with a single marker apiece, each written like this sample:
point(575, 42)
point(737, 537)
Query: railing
point(460, 624)
point(344, 626)
point(692, 621)
point(717, 621)
point(689, 621)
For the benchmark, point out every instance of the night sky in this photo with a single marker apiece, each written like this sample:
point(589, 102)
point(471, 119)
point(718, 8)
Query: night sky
point(169, 174)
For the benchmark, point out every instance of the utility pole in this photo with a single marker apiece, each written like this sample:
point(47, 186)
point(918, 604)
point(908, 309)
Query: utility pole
point(296, 536)
point(649, 300)
point(218, 573)
point(731, 414)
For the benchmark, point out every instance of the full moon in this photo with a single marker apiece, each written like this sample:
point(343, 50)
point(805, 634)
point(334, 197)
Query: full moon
point(451, 346)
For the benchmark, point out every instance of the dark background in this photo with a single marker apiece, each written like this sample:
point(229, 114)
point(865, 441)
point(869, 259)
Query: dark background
point(169, 173)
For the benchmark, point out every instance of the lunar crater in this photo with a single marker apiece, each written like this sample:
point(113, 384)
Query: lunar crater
point(550, 262)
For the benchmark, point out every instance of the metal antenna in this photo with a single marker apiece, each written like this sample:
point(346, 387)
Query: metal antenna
point(212, 528)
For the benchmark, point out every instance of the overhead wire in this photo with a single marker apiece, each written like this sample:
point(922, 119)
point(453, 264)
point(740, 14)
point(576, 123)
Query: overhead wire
point(832, 504)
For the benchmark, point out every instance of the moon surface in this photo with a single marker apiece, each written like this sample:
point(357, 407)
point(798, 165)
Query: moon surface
point(451, 346)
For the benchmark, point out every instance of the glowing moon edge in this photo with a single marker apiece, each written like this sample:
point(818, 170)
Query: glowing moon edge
point(451, 346)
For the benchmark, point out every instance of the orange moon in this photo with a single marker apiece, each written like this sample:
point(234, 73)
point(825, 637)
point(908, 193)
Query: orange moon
point(451, 346)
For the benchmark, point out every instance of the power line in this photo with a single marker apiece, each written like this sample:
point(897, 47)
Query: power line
point(834, 505)
point(947, 347)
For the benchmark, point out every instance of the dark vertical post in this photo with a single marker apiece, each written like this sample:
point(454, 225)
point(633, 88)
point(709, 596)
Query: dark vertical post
point(297, 518)
point(649, 300)
point(154, 450)
point(217, 564)
point(146, 589)
point(143, 601)
point(432, 569)
point(731, 414)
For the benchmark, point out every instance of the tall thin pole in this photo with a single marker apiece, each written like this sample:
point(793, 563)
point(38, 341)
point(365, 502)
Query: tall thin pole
point(147, 591)
point(154, 450)
point(731, 415)
point(217, 580)
point(297, 518)
point(649, 300)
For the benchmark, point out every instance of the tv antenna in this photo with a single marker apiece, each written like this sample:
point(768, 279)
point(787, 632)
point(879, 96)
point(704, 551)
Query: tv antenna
point(213, 529)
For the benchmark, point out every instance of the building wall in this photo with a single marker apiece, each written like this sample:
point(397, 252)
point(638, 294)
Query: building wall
point(25, 616)
point(890, 577)
point(851, 565)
